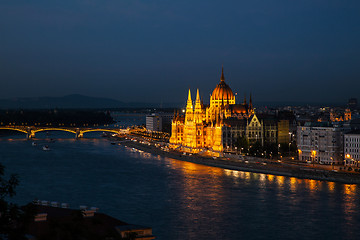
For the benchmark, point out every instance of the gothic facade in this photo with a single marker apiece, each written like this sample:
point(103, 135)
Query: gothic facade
point(201, 128)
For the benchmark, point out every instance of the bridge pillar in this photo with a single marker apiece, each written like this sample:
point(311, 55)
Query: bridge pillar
point(78, 134)
point(30, 133)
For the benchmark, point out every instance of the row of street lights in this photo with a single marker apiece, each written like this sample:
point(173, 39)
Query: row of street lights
point(51, 124)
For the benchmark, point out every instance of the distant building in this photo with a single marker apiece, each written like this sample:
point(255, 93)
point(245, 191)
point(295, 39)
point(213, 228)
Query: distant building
point(335, 117)
point(340, 116)
point(352, 148)
point(154, 123)
point(353, 103)
point(166, 119)
point(264, 129)
point(254, 130)
point(270, 127)
point(283, 136)
point(347, 115)
point(202, 127)
point(159, 122)
point(321, 142)
point(220, 126)
point(354, 124)
point(233, 130)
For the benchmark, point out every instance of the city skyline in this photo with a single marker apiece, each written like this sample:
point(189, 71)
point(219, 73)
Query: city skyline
point(153, 52)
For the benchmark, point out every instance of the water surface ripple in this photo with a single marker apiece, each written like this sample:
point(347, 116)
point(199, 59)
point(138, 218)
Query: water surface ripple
point(181, 200)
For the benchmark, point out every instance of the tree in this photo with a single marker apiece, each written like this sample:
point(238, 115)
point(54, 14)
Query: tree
point(242, 144)
point(270, 150)
point(9, 212)
point(256, 149)
point(12, 218)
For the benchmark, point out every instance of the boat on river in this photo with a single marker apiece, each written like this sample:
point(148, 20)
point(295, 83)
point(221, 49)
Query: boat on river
point(46, 148)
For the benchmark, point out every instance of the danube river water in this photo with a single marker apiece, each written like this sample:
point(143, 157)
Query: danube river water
point(179, 200)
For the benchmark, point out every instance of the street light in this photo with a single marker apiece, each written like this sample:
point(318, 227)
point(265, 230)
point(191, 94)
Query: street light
point(347, 159)
point(279, 148)
point(289, 148)
point(313, 153)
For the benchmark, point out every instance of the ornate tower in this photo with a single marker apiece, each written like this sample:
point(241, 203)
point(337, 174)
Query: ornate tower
point(222, 95)
point(198, 113)
point(251, 108)
point(189, 109)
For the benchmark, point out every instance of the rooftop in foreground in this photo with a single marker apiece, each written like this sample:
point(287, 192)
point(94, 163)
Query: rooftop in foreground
point(61, 223)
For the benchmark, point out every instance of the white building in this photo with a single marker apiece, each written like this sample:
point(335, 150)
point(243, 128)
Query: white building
point(351, 148)
point(320, 142)
point(154, 123)
point(159, 122)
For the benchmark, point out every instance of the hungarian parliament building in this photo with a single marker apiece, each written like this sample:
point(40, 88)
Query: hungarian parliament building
point(218, 126)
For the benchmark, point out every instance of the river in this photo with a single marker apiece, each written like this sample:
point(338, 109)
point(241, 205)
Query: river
point(179, 200)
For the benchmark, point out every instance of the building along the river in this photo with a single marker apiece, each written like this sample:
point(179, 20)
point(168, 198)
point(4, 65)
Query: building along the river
point(217, 127)
point(352, 148)
point(321, 142)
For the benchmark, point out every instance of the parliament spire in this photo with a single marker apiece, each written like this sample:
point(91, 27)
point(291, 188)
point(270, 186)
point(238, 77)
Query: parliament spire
point(222, 74)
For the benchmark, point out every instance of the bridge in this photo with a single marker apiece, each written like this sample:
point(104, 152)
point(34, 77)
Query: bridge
point(30, 131)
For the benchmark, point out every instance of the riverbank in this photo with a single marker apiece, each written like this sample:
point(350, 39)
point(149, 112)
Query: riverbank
point(266, 167)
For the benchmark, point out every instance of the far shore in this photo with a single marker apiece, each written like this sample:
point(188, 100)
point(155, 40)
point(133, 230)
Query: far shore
point(271, 167)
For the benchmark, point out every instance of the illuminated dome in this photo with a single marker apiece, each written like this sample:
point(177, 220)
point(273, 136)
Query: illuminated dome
point(222, 90)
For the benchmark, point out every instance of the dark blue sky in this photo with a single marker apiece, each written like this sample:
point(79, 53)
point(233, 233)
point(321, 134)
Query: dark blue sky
point(152, 51)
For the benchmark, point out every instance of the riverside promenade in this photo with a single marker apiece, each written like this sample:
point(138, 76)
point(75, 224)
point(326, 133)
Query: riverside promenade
point(265, 166)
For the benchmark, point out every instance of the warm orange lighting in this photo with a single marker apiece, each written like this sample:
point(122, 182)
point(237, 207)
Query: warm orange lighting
point(293, 184)
point(350, 189)
point(312, 184)
point(347, 156)
point(270, 178)
point(280, 180)
point(331, 186)
point(201, 128)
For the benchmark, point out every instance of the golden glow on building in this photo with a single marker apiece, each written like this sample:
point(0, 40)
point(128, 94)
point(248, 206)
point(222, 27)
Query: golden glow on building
point(200, 129)
point(347, 115)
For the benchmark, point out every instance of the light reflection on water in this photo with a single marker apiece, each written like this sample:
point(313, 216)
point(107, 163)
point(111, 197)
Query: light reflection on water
point(182, 200)
point(290, 182)
point(316, 193)
point(313, 188)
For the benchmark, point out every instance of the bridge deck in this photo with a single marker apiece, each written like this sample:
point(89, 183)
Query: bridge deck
point(31, 130)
